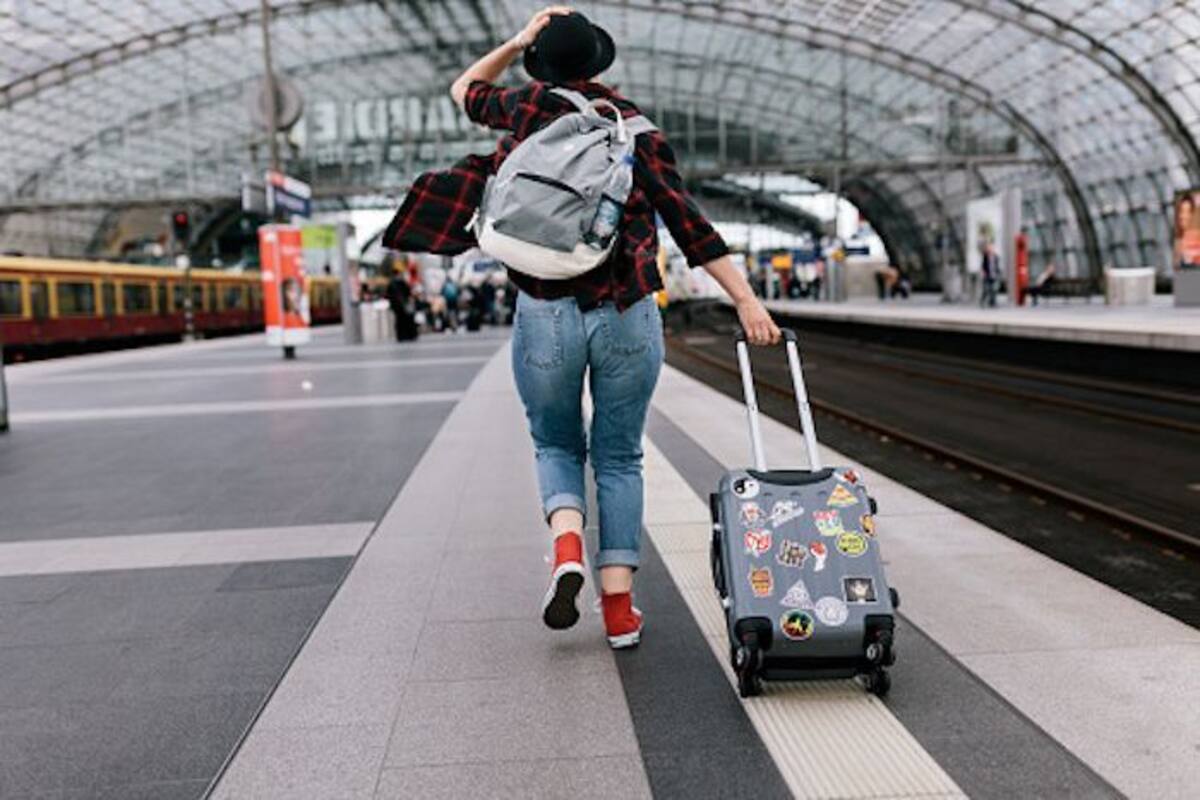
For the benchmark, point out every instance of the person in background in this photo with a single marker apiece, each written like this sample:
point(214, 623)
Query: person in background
point(989, 268)
point(450, 295)
point(399, 296)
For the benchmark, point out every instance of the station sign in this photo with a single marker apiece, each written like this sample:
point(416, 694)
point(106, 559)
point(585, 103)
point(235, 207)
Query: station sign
point(285, 286)
point(287, 195)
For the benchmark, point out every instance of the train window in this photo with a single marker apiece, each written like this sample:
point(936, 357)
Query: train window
point(39, 299)
point(137, 297)
point(198, 297)
point(235, 297)
point(161, 291)
point(76, 299)
point(10, 299)
point(108, 293)
point(256, 296)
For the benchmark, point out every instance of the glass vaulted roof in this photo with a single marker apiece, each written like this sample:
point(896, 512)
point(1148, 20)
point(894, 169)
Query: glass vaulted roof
point(908, 107)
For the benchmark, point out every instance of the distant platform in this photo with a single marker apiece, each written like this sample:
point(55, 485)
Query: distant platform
point(1159, 326)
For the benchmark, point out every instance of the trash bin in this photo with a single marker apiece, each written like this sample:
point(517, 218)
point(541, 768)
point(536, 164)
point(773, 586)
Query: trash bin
point(1129, 287)
point(377, 323)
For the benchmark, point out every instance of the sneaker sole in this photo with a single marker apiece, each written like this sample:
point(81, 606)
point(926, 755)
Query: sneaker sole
point(560, 611)
point(625, 640)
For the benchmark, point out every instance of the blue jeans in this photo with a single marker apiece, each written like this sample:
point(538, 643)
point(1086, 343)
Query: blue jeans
point(554, 346)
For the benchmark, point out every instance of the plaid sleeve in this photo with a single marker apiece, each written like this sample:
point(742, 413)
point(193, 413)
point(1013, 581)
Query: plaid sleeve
point(660, 179)
point(492, 105)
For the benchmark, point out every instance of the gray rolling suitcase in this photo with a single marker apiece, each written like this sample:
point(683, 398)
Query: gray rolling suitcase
point(796, 563)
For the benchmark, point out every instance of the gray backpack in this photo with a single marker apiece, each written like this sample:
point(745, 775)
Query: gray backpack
point(553, 207)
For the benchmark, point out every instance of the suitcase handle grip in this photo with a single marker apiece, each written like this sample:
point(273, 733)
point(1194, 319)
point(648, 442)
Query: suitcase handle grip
point(807, 428)
point(789, 335)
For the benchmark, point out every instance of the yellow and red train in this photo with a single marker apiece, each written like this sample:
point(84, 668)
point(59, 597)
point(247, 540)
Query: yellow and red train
point(48, 304)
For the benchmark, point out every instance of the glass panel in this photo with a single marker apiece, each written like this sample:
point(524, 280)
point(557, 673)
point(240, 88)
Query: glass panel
point(161, 290)
point(234, 298)
point(198, 297)
point(10, 299)
point(39, 299)
point(109, 293)
point(137, 298)
point(76, 299)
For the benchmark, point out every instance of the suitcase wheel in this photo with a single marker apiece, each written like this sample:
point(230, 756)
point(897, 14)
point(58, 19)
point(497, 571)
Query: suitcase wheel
point(747, 663)
point(876, 681)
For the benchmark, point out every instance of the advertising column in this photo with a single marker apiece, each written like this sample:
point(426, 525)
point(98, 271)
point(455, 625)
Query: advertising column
point(1186, 250)
point(285, 289)
point(1022, 274)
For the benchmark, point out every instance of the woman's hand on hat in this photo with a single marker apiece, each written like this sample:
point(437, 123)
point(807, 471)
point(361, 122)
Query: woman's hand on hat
point(757, 322)
point(539, 20)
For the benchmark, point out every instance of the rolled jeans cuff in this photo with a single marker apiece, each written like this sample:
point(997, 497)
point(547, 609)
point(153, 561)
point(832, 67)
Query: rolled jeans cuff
point(564, 500)
point(618, 558)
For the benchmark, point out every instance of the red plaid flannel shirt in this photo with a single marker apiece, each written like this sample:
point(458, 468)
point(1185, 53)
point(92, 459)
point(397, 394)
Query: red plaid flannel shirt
point(435, 213)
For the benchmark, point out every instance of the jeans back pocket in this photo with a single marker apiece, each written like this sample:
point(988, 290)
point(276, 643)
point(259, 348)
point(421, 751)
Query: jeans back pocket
point(540, 335)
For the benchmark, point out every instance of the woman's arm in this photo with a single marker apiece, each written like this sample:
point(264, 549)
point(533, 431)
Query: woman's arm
point(759, 327)
point(492, 66)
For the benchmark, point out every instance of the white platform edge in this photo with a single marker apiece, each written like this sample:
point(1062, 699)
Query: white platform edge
point(1120, 327)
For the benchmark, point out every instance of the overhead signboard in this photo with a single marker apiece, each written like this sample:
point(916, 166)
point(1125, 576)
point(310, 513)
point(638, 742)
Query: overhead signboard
point(286, 195)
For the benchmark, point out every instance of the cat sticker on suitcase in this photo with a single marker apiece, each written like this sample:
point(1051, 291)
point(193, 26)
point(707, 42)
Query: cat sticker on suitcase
point(796, 562)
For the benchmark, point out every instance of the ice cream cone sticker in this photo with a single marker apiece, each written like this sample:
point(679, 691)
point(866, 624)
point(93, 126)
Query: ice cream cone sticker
point(819, 552)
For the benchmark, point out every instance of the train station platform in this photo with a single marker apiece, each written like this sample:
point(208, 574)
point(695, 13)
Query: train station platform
point(225, 573)
point(1158, 326)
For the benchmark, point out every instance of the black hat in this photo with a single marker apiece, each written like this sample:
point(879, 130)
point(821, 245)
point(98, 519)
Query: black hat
point(569, 48)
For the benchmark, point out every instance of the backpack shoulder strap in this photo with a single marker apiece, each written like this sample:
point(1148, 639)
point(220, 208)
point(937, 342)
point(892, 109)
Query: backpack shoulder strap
point(639, 124)
point(576, 98)
point(634, 125)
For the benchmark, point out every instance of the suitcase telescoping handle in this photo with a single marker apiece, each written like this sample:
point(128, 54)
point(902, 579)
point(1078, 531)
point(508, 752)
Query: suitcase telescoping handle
point(806, 420)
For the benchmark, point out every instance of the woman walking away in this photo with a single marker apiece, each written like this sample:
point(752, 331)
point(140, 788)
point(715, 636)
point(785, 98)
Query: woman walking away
point(601, 325)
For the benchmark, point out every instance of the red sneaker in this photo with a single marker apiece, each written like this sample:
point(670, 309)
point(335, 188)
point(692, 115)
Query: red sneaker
point(558, 609)
point(622, 621)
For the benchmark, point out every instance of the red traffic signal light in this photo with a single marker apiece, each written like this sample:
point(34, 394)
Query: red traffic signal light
point(181, 226)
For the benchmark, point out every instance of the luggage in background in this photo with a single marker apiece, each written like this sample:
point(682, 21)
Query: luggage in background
point(796, 562)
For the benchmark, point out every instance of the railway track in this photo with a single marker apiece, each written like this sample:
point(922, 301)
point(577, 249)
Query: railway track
point(1120, 522)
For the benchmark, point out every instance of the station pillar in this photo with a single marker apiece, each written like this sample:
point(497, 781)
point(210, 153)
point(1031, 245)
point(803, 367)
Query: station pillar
point(3, 395)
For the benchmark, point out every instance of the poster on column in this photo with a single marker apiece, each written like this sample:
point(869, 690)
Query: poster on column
point(1187, 230)
point(285, 288)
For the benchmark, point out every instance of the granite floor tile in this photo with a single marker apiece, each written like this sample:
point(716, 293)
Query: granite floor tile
point(566, 715)
point(456, 651)
point(333, 763)
point(578, 779)
point(499, 583)
point(347, 689)
point(285, 574)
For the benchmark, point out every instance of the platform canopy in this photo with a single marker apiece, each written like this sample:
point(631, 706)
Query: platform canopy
point(908, 107)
